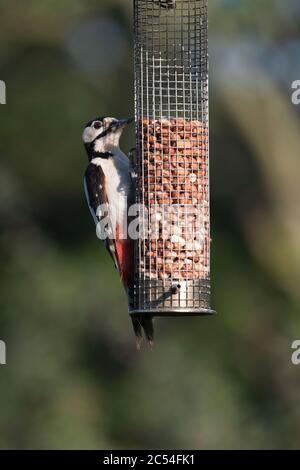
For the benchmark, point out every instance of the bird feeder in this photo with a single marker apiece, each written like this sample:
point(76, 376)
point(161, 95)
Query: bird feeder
point(172, 252)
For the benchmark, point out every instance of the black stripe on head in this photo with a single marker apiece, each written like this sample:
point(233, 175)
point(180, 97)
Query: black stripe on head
point(106, 132)
point(101, 119)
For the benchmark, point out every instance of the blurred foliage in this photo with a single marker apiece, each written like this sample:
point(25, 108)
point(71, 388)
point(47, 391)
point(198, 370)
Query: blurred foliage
point(73, 378)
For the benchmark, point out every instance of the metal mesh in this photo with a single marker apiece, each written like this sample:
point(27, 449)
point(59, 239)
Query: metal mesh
point(172, 256)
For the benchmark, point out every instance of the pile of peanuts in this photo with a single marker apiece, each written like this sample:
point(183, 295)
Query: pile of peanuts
point(173, 187)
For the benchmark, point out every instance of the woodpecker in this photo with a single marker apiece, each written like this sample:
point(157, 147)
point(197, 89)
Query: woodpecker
point(109, 192)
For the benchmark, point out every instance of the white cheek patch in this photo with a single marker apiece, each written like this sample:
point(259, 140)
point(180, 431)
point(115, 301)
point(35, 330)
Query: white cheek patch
point(88, 135)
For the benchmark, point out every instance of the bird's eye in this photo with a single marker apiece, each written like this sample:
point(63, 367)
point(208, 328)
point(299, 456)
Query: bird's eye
point(97, 125)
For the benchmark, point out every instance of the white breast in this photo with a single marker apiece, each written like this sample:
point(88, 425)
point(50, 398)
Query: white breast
point(118, 187)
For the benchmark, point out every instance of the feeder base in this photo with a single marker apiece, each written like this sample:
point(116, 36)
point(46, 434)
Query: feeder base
point(175, 313)
point(172, 298)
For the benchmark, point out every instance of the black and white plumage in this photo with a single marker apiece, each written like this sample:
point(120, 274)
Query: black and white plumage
point(109, 193)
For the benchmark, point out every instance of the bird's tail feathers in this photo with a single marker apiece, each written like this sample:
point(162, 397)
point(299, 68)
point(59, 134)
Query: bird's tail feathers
point(143, 325)
point(138, 331)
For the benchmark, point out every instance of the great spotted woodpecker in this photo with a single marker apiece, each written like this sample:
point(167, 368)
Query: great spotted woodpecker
point(109, 192)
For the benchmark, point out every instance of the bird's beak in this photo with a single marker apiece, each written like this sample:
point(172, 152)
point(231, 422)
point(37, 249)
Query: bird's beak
point(124, 122)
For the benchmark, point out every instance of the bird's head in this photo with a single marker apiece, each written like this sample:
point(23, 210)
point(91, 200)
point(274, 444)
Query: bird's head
point(103, 134)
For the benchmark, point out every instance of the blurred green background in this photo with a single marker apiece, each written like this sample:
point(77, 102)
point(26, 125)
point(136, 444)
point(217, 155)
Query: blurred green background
point(73, 378)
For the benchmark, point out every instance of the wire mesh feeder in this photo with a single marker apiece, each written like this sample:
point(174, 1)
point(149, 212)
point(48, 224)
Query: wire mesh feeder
point(172, 253)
